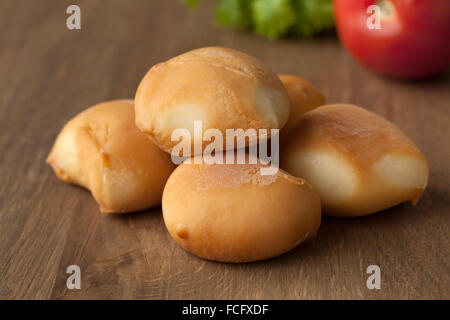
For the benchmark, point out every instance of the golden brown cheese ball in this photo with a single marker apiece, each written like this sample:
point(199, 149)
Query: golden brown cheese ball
point(358, 162)
point(232, 213)
point(303, 97)
point(102, 150)
point(222, 88)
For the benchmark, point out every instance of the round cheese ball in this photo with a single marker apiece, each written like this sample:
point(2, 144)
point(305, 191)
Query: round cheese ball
point(303, 97)
point(222, 88)
point(102, 150)
point(359, 162)
point(232, 213)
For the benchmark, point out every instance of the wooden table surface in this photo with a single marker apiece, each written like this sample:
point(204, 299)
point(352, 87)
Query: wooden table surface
point(48, 74)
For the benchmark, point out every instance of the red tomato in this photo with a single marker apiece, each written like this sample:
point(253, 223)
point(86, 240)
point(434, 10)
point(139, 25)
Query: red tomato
point(413, 42)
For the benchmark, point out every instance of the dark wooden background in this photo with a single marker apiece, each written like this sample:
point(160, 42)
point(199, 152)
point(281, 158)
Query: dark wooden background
point(48, 74)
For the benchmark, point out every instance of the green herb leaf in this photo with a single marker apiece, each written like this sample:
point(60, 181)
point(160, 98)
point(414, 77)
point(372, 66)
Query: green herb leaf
point(233, 13)
point(313, 17)
point(191, 3)
point(273, 18)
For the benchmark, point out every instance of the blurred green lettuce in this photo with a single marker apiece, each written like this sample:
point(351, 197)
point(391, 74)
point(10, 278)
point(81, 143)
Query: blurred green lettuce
point(274, 18)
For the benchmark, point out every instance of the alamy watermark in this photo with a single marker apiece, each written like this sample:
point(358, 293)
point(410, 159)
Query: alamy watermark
point(374, 280)
point(231, 150)
point(374, 20)
point(74, 280)
point(383, 9)
point(73, 22)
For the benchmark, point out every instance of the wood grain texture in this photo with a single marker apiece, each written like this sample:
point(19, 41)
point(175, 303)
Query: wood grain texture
point(49, 74)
